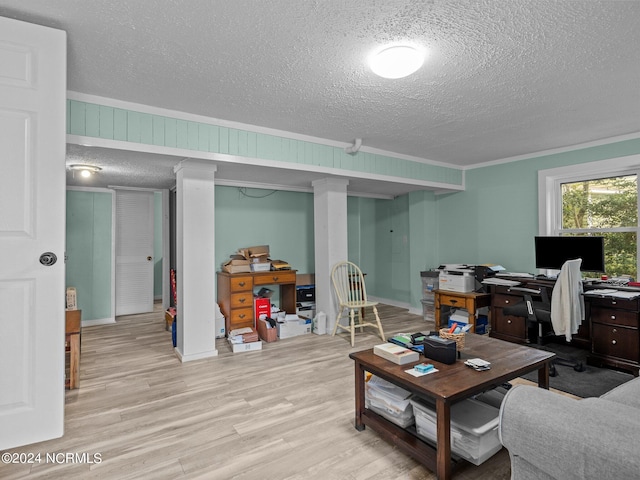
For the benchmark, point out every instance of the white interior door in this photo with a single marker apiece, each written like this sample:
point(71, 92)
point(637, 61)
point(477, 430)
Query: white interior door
point(134, 252)
point(32, 223)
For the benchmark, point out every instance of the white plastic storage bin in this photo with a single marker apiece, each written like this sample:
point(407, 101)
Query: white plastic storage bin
point(429, 284)
point(428, 310)
point(474, 428)
point(389, 401)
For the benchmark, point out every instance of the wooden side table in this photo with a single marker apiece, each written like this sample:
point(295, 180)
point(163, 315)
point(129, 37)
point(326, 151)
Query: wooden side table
point(72, 346)
point(470, 301)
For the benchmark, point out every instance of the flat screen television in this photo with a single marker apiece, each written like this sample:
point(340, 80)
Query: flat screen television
point(552, 252)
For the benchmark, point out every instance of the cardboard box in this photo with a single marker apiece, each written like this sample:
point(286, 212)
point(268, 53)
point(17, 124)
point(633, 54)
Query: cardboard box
point(266, 332)
point(305, 278)
point(245, 347)
point(293, 328)
point(259, 252)
point(395, 353)
point(261, 306)
point(237, 266)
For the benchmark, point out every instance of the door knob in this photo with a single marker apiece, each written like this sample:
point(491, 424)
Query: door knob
point(149, 258)
point(48, 258)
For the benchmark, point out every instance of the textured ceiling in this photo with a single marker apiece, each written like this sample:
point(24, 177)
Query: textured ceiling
point(503, 78)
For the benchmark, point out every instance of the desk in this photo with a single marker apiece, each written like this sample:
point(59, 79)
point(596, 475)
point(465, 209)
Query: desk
point(515, 329)
point(451, 384)
point(470, 301)
point(72, 346)
point(610, 331)
point(235, 295)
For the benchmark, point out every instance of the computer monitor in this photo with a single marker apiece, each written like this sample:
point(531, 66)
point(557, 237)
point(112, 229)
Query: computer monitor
point(552, 252)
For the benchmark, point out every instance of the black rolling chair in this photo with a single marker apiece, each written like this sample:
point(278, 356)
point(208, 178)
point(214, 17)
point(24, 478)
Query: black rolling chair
point(538, 313)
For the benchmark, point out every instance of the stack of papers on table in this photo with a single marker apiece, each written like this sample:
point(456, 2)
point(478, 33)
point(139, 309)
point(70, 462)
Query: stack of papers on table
point(611, 292)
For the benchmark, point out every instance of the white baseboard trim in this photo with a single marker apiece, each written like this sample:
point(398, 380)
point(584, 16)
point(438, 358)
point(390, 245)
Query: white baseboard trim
point(98, 321)
point(394, 303)
point(198, 356)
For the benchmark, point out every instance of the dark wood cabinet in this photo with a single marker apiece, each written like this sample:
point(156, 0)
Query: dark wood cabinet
point(507, 327)
point(615, 340)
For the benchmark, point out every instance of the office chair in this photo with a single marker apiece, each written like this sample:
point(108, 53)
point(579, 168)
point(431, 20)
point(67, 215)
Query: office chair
point(350, 289)
point(562, 316)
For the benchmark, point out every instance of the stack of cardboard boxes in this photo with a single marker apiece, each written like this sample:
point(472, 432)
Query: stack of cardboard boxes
point(253, 259)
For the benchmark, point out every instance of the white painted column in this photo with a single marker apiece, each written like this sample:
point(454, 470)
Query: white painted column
point(330, 235)
point(195, 262)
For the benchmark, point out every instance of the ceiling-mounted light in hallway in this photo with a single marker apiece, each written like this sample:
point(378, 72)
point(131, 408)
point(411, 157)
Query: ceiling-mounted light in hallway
point(85, 170)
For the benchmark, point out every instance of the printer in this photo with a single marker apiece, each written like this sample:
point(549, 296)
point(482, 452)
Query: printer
point(463, 278)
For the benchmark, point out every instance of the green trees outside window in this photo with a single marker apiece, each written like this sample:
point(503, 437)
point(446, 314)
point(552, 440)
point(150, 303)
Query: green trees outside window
point(605, 207)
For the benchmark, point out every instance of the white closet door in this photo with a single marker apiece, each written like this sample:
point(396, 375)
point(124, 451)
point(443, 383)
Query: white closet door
point(32, 217)
point(134, 252)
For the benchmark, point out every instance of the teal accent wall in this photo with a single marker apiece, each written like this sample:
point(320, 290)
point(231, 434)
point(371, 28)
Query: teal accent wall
point(88, 249)
point(99, 121)
point(362, 246)
point(423, 241)
point(495, 219)
point(393, 241)
point(157, 245)
point(282, 220)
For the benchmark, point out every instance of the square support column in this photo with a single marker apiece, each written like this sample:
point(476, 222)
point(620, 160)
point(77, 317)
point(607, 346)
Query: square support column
point(330, 236)
point(195, 260)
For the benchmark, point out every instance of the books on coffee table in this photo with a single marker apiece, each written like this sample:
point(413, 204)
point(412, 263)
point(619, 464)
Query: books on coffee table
point(396, 353)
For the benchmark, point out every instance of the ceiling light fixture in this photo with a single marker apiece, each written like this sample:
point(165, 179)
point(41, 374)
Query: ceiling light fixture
point(85, 170)
point(396, 62)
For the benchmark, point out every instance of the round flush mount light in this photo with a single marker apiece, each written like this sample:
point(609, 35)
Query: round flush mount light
point(397, 61)
point(85, 170)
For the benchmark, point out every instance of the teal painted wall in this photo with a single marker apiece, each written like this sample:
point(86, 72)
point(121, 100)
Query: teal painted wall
point(282, 220)
point(423, 241)
point(391, 278)
point(88, 249)
point(393, 241)
point(495, 219)
point(362, 238)
point(92, 120)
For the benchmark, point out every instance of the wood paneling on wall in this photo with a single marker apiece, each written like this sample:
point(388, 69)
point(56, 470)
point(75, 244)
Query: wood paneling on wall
point(92, 120)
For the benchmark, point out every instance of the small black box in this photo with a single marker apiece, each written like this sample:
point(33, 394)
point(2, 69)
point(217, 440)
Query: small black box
point(440, 349)
point(305, 293)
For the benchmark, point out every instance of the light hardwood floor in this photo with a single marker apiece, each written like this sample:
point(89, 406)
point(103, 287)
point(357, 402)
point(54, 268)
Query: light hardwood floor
point(285, 412)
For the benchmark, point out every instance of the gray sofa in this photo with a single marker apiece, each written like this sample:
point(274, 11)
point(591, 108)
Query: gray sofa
point(552, 436)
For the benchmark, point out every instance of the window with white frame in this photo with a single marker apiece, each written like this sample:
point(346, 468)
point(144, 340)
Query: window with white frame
point(599, 199)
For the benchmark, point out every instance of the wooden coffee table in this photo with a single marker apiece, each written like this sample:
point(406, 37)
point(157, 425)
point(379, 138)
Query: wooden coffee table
point(451, 384)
